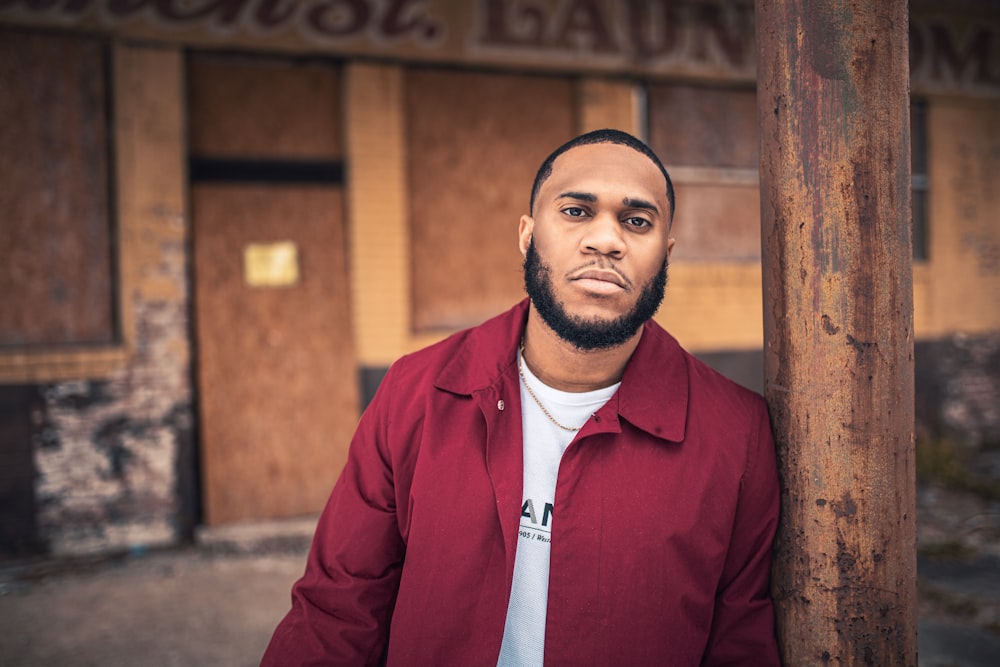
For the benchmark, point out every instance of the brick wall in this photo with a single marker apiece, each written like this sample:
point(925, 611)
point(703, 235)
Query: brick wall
point(108, 450)
point(114, 450)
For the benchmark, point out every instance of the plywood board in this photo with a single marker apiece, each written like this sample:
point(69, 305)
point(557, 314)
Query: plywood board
point(278, 396)
point(713, 130)
point(474, 142)
point(276, 370)
point(258, 107)
point(694, 126)
point(717, 223)
point(55, 222)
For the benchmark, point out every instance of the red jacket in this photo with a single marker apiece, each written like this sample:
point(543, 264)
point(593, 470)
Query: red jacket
point(667, 502)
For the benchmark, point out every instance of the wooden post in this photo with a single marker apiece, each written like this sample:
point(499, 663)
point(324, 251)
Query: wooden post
point(833, 96)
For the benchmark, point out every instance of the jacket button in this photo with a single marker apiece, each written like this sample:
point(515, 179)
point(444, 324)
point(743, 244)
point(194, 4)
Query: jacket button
point(500, 405)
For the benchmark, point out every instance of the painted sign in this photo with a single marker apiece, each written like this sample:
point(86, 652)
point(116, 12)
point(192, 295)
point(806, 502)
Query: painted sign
point(677, 38)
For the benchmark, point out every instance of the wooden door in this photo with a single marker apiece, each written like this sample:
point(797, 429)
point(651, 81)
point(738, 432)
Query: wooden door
point(277, 393)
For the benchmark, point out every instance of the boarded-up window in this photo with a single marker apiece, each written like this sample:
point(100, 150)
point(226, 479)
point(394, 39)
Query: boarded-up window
point(474, 142)
point(707, 137)
point(56, 259)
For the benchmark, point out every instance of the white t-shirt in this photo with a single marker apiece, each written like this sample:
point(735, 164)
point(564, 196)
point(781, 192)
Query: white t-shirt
point(544, 444)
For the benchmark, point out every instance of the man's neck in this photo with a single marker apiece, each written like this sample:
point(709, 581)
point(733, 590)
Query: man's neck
point(563, 366)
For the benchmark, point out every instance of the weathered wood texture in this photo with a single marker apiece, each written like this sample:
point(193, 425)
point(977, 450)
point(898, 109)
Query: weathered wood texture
point(276, 364)
point(835, 204)
point(56, 270)
point(707, 138)
point(474, 142)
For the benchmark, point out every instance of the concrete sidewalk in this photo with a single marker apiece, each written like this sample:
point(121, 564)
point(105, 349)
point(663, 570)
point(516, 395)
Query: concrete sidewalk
point(217, 604)
point(214, 604)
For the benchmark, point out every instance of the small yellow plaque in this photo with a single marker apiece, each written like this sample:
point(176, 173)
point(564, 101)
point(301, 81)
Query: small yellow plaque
point(271, 264)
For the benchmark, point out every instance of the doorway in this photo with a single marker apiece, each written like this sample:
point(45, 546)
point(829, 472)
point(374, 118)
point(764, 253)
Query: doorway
point(275, 371)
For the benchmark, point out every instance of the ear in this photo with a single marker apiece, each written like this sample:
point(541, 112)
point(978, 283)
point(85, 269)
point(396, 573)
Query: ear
point(524, 230)
point(670, 246)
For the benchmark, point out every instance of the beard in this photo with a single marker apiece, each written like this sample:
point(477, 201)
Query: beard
point(594, 333)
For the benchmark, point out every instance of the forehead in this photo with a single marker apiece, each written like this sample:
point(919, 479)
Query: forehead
point(606, 169)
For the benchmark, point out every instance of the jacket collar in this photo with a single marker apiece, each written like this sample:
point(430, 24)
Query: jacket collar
point(653, 395)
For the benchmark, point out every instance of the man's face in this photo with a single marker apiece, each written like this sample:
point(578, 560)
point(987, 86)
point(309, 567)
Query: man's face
point(597, 244)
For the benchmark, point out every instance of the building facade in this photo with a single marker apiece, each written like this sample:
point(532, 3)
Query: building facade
point(223, 219)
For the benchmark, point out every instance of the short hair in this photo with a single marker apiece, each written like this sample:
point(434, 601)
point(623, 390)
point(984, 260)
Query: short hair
point(605, 136)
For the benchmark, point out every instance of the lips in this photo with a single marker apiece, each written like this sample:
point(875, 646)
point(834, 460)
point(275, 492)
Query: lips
point(601, 276)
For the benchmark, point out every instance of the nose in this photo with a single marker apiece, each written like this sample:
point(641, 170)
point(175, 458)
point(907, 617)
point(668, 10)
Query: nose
point(604, 235)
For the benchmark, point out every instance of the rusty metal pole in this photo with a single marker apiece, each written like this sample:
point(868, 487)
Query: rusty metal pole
point(833, 100)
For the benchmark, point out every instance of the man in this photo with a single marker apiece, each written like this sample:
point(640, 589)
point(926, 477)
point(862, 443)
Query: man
point(561, 485)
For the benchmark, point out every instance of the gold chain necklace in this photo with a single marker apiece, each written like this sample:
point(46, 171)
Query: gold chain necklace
point(538, 402)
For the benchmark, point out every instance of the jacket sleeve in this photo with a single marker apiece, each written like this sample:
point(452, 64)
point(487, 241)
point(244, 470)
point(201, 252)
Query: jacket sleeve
point(342, 605)
point(743, 623)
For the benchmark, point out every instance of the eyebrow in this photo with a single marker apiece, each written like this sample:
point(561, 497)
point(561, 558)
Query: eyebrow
point(582, 196)
point(640, 203)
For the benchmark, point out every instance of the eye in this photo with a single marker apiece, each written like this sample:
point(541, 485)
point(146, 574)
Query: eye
point(574, 211)
point(637, 222)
